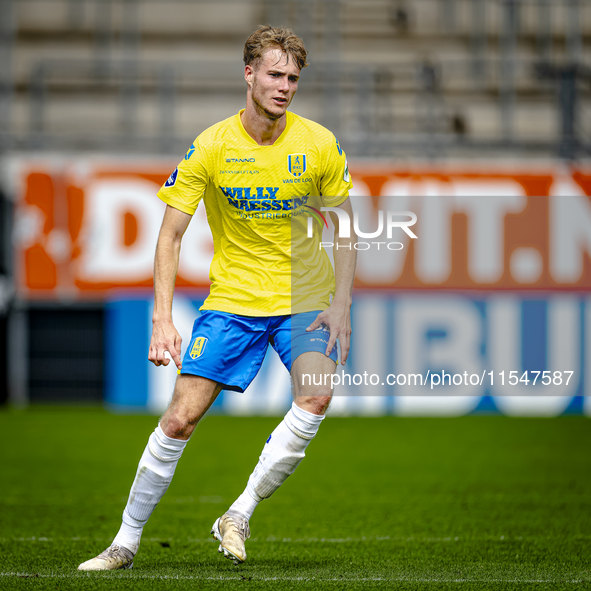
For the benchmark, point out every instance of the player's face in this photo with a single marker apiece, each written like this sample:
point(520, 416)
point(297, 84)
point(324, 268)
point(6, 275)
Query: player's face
point(273, 82)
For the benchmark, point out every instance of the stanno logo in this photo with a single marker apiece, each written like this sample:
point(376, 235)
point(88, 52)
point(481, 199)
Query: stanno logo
point(190, 151)
point(239, 159)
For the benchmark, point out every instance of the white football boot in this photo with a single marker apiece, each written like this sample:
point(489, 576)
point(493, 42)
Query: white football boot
point(114, 557)
point(231, 530)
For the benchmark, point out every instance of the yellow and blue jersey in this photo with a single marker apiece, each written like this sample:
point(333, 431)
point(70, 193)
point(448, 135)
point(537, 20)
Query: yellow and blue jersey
point(255, 196)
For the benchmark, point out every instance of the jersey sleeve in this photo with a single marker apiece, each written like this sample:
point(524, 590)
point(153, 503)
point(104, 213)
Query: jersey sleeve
point(186, 186)
point(335, 183)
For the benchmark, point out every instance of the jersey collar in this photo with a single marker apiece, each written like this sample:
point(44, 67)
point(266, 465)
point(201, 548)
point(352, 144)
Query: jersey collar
point(241, 132)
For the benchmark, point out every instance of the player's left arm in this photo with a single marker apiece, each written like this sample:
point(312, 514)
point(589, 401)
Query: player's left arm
point(338, 315)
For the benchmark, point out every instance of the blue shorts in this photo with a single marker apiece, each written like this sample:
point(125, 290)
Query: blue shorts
point(230, 349)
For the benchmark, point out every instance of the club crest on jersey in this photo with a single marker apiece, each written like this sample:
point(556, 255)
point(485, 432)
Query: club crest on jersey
point(198, 347)
point(172, 178)
point(297, 164)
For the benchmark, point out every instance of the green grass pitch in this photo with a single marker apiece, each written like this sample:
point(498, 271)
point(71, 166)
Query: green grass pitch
point(476, 502)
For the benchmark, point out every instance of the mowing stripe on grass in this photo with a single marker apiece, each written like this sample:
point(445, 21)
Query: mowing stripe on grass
point(308, 540)
point(135, 575)
point(271, 539)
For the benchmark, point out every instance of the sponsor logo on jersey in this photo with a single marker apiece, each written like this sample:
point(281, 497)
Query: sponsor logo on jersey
point(239, 159)
point(339, 147)
point(198, 347)
point(190, 152)
point(261, 199)
point(346, 175)
point(297, 164)
point(172, 178)
point(250, 192)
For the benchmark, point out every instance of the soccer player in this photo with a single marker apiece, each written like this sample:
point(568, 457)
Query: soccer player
point(261, 175)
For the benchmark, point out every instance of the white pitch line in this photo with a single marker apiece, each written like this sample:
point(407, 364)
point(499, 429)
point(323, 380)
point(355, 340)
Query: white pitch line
point(136, 575)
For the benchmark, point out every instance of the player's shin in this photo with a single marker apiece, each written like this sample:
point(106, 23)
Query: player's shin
point(283, 452)
point(154, 474)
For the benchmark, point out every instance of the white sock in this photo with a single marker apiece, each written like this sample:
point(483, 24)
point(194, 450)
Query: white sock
point(282, 454)
point(154, 474)
point(245, 504)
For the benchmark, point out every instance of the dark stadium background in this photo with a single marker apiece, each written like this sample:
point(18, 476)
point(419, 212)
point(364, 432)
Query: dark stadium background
point(439, 93)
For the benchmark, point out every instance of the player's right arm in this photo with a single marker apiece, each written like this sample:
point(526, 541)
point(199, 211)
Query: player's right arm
point(165, 336)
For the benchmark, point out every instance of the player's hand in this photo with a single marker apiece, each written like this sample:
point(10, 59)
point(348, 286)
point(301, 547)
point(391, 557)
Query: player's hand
point(165, 337)
point(338, 319)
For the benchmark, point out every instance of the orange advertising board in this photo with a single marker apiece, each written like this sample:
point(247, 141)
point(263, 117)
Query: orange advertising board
point(85, 226)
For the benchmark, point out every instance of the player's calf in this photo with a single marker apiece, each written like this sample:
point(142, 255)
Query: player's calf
point(284, 450)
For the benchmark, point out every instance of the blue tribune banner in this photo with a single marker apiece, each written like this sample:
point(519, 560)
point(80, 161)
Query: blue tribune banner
point(413, 354)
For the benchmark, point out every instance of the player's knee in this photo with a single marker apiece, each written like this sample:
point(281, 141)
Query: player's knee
point(317, 404)
point(176, 426)
point(321, 404)
point(323, 390)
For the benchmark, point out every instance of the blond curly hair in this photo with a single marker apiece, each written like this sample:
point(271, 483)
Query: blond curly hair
point(282, 37)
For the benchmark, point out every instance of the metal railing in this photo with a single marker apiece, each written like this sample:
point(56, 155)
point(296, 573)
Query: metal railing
point(359, 102)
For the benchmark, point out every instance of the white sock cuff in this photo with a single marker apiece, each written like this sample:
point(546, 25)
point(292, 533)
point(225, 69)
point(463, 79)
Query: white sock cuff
point(131, 521)
point(164, 448)
point(253, 493)
point(302, 423)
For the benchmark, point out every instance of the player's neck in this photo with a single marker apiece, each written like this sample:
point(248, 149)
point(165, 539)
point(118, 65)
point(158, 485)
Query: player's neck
point(263, 130)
